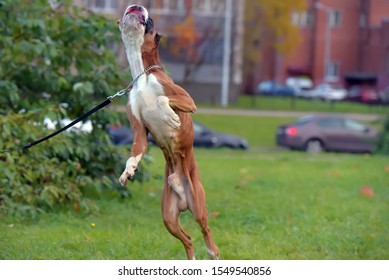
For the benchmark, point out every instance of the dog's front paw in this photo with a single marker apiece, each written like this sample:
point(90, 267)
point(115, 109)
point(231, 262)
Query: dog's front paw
point(129, 172)
point(172, 119)
point(125, 177)
point(167, 113)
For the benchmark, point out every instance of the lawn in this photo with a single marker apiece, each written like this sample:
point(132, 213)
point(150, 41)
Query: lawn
point(262, 205)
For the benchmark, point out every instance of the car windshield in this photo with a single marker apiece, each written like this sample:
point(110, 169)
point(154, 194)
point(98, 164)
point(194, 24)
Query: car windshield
point(303, 120)
point(200, 129)
point(330, 123)
point(355, 125)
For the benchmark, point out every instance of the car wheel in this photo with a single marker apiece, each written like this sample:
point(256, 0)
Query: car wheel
point(314, 146)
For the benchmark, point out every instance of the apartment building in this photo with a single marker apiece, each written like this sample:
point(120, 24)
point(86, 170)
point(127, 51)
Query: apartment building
point(342, 41)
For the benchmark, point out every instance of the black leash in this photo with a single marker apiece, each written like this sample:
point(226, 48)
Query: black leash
point(84, 116)
point(80, 118)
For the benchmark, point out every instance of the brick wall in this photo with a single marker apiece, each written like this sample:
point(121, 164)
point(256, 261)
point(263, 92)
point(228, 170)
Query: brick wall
point(359, 44)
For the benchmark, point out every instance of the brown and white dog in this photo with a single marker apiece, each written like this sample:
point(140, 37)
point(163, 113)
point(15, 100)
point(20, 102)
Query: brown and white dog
point(158, 106)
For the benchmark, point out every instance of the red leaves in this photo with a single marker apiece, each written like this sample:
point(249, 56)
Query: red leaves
point(215, 214)
point(367, 191)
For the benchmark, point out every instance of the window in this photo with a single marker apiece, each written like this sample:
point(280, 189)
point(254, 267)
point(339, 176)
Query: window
point(354, 126)
point(303, 119)
point(332, 71)
point(157, 5)
point(330, 123)
point(334, 18)
point(167, 6)
point(100, 4)
point(201, 5)
point(303, 19)
point(208, 7)
point(387, 61)
point(218, 6)
point(362, 20)
point(110, 6)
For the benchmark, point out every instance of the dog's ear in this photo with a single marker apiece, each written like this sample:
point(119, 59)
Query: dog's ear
point(149, 25)
point(157, 38)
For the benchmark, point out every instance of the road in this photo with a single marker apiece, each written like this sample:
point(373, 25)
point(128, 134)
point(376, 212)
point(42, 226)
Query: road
point(240, 112)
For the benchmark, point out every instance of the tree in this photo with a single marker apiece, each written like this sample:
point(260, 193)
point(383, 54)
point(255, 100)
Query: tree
point(269, 25)
point(55, 63)
point(192, 40)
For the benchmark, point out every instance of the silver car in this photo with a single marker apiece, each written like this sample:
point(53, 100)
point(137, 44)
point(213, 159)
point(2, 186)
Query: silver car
point(327, 133)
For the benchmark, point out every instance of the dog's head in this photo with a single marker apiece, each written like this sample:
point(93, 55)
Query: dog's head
point(135, 21)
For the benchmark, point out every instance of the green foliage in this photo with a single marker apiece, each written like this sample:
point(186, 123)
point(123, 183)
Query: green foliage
point(383, 142)
point(271, 103)
point(62, 56)
point(55, 64)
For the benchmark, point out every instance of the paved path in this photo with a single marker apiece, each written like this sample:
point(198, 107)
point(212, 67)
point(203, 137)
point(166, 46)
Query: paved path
point(248, 112)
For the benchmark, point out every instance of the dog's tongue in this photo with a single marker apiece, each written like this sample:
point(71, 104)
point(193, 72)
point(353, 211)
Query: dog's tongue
point(135, 13)
point(134, 16)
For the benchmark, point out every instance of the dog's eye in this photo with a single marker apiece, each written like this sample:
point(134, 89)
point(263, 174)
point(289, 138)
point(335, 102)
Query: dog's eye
point(149, 25)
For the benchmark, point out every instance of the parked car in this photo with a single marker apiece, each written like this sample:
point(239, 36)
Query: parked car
point(203, 137)
point(273, 88)
point(299, 83)
point(325, 92)
point(384, 96)
point(363, 94)
point(317, 133)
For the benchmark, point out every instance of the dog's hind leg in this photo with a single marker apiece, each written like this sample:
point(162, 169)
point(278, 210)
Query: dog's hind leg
point(171, 217)
point(200, 214)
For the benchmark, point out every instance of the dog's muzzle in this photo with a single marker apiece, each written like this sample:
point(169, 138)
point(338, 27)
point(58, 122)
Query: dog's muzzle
point(136, 13)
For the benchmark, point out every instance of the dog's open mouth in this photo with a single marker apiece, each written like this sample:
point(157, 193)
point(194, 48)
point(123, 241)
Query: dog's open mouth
point(136, 15)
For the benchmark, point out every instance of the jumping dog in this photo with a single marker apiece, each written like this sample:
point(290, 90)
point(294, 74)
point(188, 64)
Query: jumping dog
point(158, 106)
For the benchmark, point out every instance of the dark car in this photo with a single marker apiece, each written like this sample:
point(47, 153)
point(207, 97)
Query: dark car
point(329, 133)
point(203, 137)
point(363, 94)
point(384, 96)
point(273, 88)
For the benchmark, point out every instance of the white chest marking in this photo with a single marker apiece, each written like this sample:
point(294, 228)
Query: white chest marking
point(144, 106)
point(143, 95)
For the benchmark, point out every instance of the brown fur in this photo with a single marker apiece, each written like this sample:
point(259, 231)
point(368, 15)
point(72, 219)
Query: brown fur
point(181, 167)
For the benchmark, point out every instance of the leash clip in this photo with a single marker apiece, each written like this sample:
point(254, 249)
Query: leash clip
point(127, 89)
point(119, 93)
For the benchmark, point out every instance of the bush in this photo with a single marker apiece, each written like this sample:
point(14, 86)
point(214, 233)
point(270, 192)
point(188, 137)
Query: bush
point(55, 64)
point(66, 171)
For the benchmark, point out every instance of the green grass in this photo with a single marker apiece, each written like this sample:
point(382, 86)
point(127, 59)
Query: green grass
point(262, 205)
